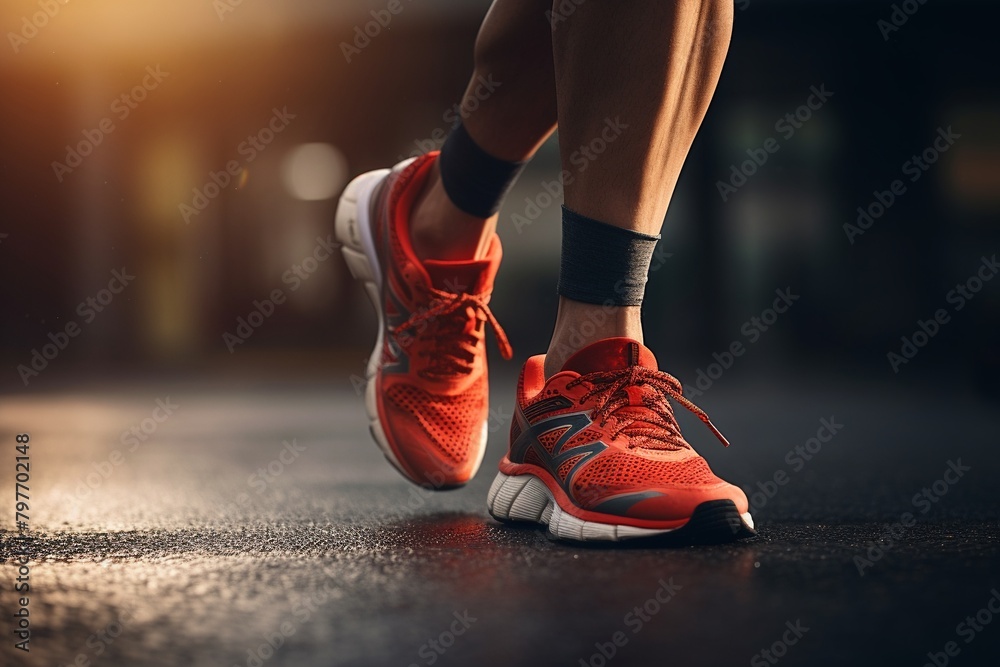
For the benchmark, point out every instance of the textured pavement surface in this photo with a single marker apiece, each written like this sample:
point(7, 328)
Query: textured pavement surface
point(177, 551)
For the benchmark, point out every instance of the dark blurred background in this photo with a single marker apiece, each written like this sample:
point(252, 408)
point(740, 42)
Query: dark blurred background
point(211, 564)
point(224, 68)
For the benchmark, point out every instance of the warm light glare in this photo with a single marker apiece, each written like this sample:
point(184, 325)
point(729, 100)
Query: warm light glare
point(314, 172)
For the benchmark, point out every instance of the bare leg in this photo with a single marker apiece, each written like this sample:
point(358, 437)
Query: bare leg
point(514, 50)
point(652, 66)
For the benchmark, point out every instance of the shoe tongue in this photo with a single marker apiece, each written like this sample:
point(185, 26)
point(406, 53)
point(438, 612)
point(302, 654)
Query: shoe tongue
point(610, 354)
point(473, 276)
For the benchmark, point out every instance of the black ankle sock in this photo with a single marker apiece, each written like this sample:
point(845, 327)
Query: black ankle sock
point(601, 263)
point(475, 181)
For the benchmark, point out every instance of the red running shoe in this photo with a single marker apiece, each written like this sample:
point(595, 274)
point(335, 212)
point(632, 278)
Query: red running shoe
point(427, 392)
point(596, 454)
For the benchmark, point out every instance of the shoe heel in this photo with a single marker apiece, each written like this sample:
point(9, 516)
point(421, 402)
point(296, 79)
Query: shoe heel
point(352, 228)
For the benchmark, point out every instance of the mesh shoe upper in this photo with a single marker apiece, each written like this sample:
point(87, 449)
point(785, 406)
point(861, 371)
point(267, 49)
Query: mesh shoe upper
point(602, 434)
point(432, 392)
point(449, 422)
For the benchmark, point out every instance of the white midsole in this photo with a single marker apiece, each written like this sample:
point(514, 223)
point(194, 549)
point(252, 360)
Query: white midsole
point(354, 232)
point(526, 498)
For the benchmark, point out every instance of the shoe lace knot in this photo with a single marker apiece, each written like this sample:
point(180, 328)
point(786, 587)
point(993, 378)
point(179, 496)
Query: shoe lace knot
point(445, 324)
point(646, 389)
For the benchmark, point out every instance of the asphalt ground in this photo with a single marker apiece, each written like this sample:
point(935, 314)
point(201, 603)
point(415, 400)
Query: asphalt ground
point(259, 525)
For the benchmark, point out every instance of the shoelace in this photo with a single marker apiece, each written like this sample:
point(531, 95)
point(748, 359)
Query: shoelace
point(454, 349)
point(610, 388)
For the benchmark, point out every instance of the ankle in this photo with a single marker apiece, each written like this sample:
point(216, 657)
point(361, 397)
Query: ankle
point(580, 324)
point(439, 230)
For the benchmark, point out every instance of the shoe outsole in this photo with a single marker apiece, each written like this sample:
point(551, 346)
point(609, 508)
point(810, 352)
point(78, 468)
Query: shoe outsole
point(353, 231)
point(525, 498)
